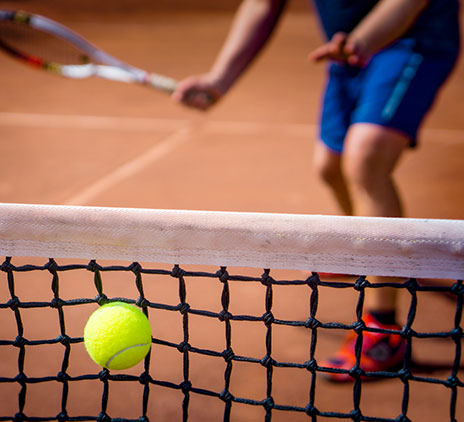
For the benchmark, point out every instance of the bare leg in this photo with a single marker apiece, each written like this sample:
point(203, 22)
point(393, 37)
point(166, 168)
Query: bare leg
point(327, 164)
point(370, 156)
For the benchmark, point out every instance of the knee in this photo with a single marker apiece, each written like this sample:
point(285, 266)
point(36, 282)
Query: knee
point(329, 174)
point(356, 172)
point(327, 170)
point(364, 174)
point(371, 155)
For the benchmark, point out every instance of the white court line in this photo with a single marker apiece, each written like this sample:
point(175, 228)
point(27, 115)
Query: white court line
point(132, 167)
point(260, 128)
point(448, 136)
point(444, 136)
point(64, 121)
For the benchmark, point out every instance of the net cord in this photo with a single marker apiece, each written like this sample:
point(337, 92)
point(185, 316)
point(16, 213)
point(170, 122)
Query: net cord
point(350, 245)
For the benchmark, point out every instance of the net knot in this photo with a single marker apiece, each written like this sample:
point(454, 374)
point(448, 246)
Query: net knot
point(310, 410)
point(64, 339)
point(356, 415)
point(313, 280)
point(51, 266)
point(143, 419)
point(135, 267)
point(268, 403)
point(177, 272)
point(62, 417)
point(267, 361)
point(185, 386)
point(356, 372)
point(104, 374)
point(14, 303)
point(411, 285)
point(141, 302)
point(312, 323)
point(183, 308)
point(19, 417)
point(359, 326)
point(184, 347)
point(145, 378)
point(361, 283)
point(224, 316)
point(266, 279)
point(103, 417)
point(7, 266)
point(21, 378)
point(62, 377)
point(456, 334)
point(457, 288)
point(311, 365)
point(268, 318)
point(228, 354)
point(407, 333)
point(57, 303)
point(405, 374)
point(402, 418)
point(453, 381)
point(226, 396)
point(20, 341)
point(93, 266)
point(101, 299)
point(222, 274)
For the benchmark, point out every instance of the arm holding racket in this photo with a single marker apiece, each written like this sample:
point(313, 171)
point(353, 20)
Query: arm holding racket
point(253, 24)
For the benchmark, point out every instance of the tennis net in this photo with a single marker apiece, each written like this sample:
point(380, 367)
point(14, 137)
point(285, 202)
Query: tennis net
point(228, 339)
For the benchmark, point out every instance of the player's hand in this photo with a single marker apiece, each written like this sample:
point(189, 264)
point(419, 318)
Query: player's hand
point(199, 92)
point(340, 49)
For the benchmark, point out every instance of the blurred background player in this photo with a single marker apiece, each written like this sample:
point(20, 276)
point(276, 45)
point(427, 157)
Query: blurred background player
point(387, 62)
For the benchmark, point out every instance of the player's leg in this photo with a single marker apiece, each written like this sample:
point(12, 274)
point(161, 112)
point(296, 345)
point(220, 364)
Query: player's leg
point(395, 92)
point(327, 164)
point(334, 122)
point(370, 155)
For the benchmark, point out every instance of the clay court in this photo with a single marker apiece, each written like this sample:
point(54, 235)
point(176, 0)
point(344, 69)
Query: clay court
point(100, 143)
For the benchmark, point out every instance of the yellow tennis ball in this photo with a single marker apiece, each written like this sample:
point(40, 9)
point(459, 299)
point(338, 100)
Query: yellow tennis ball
point(117, 335)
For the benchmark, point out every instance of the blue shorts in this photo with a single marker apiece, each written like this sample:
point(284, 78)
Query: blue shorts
point(395, 90)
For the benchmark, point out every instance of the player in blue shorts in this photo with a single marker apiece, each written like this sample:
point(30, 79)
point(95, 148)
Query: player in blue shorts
point(387, 62)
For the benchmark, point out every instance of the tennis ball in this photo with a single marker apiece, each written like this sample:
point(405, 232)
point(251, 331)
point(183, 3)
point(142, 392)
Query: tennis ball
point(117, 335)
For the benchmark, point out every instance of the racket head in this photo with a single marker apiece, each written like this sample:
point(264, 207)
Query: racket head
point(46, 44)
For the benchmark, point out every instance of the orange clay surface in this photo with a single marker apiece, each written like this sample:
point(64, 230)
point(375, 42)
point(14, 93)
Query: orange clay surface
point(101, 143)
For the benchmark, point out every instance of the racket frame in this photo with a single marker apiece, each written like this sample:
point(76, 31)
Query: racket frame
point(102, 64)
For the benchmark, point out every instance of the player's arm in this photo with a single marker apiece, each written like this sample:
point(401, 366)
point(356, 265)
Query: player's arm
point(253, 24)
point(386, 22)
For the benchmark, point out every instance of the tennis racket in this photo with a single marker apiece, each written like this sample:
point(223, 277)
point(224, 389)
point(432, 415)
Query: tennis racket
point(50, 46)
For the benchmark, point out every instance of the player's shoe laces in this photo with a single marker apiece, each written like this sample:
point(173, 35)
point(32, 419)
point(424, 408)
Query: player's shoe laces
point(380, 351)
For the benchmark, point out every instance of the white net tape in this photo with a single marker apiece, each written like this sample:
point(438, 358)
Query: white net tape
point(350, 245)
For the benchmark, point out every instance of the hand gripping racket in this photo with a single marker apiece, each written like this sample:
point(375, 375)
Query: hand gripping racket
point(48, 45)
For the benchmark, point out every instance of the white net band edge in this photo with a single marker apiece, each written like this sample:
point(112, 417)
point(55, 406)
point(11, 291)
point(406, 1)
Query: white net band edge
point(403, 247)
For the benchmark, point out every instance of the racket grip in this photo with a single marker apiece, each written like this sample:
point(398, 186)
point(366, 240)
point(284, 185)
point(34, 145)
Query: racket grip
point(163, 83)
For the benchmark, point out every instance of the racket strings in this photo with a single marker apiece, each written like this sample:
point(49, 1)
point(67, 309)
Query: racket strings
point(35, 46)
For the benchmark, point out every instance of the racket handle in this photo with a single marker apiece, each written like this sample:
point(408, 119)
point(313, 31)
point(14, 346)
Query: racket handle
point(161, 82)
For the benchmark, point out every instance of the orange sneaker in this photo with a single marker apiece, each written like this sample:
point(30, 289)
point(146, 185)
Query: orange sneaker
point(380, 351)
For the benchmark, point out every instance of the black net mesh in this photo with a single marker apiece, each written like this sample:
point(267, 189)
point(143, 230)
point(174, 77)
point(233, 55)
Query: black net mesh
point(16, 381)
